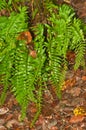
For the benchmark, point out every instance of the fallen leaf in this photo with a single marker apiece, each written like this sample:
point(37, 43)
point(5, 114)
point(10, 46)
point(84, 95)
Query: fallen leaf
point(54, 128)
point(69, 83)
point(9, 117)
point(67, 1)
point(52, 124)
point(75, 91)
point(2, 128)
point(77, 128)
point(11, 123)
point(2, 121)
point(3, 110)
point(70, 56)
point(25, 36)
point(84, 78)
point(33, 53)
point(76, 119)
point(79, 111)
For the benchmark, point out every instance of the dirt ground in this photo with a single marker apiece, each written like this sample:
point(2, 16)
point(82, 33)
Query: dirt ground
point(69, 113)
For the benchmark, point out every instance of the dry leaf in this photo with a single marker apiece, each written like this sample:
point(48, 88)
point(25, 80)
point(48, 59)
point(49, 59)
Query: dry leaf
point(76, 119)
point(2, 128)
point(2, 121)
point(10, 116)
point(69, 83)
point(33, 53)
point(79, 111)
point(3, 110)
point(54, 128)
point(25, 36)
point(11, 123)
point(67, 1)
point(84, 78)
point(75, 91)
point(70, 56)
point(77, 128)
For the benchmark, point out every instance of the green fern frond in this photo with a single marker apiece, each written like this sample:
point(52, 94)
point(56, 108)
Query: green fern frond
point(66, 12)
point(3, 4)
point(64, 33)
point(23, 79)
point(13, 24)
point(80, 52)
point(78, 43)
point(39, 64)
point(9, 29)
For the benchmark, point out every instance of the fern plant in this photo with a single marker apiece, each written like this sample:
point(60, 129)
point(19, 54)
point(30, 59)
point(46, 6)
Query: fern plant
point(27, 76)
point(64, 33)
point(11, 67)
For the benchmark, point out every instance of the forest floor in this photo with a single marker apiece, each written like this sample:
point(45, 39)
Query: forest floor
point(69, 113)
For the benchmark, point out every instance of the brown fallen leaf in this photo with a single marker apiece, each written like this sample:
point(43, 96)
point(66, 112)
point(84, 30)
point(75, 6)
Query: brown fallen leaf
point(75, 91)
point(11, 123)
point(70, 56)
point(84, 78)
point(54, 128)
point(76, 119)
point(68, 83)
point(9, 117)
point(77, 128)
point(33, 53)
point(2, 128)
point(25, 36)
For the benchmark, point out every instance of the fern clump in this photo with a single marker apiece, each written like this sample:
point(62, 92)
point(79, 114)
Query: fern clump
point(64, 33)
point(25, 75)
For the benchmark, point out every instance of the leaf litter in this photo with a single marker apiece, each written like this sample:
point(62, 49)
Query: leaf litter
point(67, 113)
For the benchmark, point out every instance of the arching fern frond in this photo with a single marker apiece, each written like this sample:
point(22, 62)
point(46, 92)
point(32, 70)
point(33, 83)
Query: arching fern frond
point(9, 29)
point(78, 43)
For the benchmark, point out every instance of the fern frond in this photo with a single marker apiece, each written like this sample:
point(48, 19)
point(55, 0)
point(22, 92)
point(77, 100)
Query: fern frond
point(22, 80)
point(78, 43)
point(9, 29)
point(66, 12)
point(80, 53)
point(3, 4)
point(39, 72)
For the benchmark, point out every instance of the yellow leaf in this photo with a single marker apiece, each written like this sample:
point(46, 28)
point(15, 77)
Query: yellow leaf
point(79, 111)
